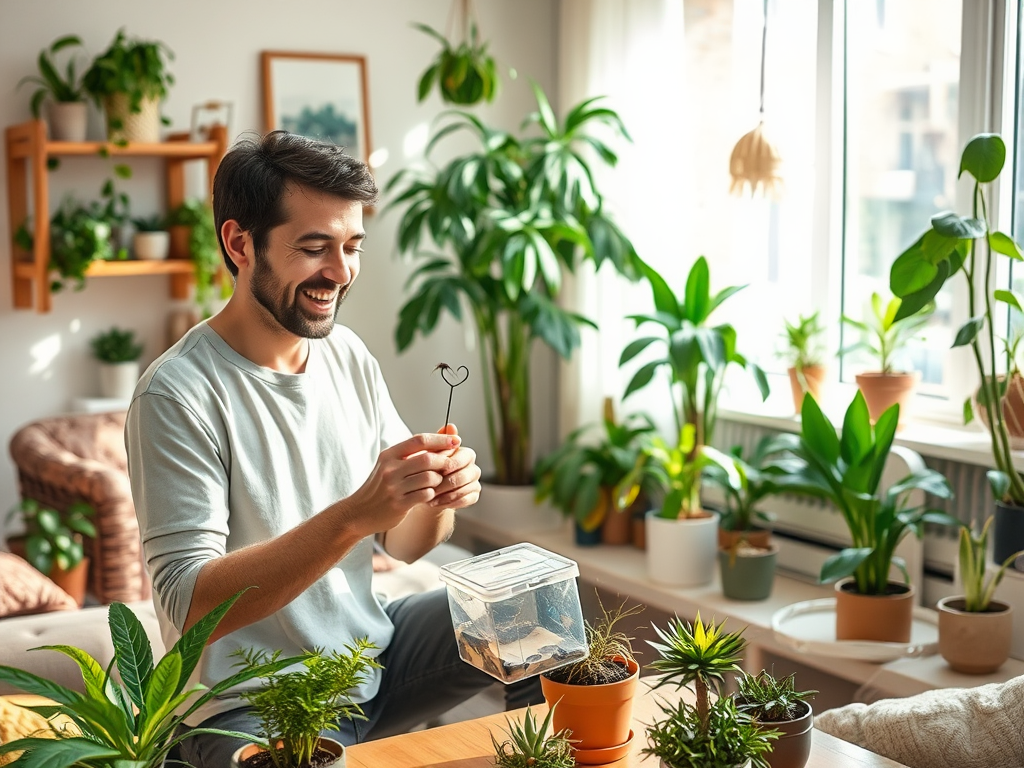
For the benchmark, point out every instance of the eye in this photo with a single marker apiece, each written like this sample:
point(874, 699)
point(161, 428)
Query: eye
point(315, 252)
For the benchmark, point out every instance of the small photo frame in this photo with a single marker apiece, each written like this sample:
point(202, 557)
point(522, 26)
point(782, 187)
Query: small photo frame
point(319, 95)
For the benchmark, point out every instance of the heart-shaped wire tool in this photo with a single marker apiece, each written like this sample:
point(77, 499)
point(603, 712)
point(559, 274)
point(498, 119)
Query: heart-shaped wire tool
point(453, 377)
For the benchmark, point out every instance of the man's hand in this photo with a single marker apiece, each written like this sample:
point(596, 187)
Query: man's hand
point(461, 486)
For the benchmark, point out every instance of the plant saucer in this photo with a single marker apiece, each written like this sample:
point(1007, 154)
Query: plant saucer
point(603, 755)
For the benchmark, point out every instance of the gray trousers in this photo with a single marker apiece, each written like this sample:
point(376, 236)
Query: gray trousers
point(423, 678)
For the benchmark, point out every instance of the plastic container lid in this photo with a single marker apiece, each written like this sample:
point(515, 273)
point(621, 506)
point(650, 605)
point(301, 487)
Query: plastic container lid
point(498, 575)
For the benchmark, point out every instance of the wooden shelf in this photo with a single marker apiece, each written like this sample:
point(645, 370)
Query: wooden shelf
point(28, 152)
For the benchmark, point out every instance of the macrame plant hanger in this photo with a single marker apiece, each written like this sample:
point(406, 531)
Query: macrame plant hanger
point(754, 160)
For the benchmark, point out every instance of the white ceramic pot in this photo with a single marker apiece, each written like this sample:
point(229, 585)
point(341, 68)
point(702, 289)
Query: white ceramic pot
point(67, 120)
point(151, 246)
point(512, 506)
point(118, 380)
point(684, 552)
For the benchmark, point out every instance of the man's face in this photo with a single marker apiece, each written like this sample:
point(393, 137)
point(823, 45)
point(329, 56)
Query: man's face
point(310, 263)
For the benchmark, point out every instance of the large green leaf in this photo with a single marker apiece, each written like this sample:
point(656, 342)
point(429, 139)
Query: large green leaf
point(817, 432)
point(191, 644)
point(1006, 245)
point(856, 441)
point(58, 753)
point(983, 157)
point(93, 676)
point(160, 693)
point(843, 564)
point(969, 331)
point(30, 683)
point(697, 296)
point(960, 227)
point(132, 650)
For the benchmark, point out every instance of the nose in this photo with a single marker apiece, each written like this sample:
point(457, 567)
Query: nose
point(340, 268)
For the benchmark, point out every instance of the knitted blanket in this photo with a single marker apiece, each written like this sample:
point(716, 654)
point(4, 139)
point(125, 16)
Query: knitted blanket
point(963, 727)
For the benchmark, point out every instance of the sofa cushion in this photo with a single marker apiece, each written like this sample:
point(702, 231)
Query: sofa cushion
point(24, 590)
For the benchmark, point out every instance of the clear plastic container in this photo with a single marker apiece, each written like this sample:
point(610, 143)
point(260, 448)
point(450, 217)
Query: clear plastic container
point(516, 611)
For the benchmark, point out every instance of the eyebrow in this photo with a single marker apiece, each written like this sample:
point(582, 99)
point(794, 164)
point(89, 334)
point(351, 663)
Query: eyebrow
point(310, 236)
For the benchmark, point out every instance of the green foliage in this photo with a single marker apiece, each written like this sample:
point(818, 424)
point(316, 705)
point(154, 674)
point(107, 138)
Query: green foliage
point(696, 353)
point(205, 250)
point(60, 86)
point(676, 472)
point(769, 699)
point(803, 342)
point(580, 475)
point(744, 488)
point(79, 235)
point(606, 647)
point(128, 719)
point(730, 739)
point(465, 74)
point(847, 469)
point(973, 549)
point(885, 332)
point(154, 223)
point(294, 707)
point(494, 231)
point(54, 538)
point(968, 245)
point(136, 68)
point(115, 346)
point(528, 746)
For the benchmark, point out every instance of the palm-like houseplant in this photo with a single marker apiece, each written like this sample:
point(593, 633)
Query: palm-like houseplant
point(495, 229)
point(63, 89)
point(806, 356)
point(847, 469)
point(968, 245)
point(131, 719)
point(705, 734)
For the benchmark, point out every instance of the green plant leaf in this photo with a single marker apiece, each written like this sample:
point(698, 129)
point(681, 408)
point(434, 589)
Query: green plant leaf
point(843, 564)
point(697, 296)
point(818, 432)
point(132, 650)
point(983, 157)
point(58, 753)
point(969, 331)
point(960, 227)
point(1006, 245)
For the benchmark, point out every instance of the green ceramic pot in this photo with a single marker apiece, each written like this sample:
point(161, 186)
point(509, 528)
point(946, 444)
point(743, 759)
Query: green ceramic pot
point(747, 576)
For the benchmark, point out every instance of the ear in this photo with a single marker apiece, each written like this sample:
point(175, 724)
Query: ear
point(237, 243)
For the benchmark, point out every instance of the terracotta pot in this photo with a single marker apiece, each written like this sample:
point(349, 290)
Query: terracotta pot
point(756, 537)
point(882, 618)
point(1013, 409)
point(682, 553)
point(639, 528)
point(617, 527)
point(74, 581)
point(882, 390)
point(793, 747)
point(747, 576)
point(814, 378)
point(243, 753)
point(599, 716)
point(974, 643)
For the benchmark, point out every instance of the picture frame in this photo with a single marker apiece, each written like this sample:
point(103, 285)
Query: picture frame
point(319, 95)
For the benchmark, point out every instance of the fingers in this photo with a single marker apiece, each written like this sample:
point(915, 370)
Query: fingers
point(426, 441)
point(448, 429)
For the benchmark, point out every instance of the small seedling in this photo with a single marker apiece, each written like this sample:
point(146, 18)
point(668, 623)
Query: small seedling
point(531, 747)
point(452, 378)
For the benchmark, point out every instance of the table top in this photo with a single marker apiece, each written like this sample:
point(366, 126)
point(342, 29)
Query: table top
point(468, 744)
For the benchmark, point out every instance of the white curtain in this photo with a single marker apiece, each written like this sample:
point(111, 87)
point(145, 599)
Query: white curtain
point(630, 51)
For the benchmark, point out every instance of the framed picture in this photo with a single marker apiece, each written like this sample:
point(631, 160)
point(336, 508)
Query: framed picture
point(319, 95)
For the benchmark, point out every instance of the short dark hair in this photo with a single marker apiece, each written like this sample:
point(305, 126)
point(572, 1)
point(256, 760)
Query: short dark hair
point(253, 175)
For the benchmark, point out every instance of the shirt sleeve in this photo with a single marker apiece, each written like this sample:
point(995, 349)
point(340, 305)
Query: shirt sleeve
point(179, 484)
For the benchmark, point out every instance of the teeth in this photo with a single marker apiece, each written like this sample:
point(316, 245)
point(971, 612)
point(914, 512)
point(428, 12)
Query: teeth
point(320, 295)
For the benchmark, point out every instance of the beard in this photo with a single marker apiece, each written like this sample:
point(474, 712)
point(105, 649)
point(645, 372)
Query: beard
point(286, 309)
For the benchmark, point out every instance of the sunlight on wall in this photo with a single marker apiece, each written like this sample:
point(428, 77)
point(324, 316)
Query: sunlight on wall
point(378, 157)
point(416, 140)
point(43, 354)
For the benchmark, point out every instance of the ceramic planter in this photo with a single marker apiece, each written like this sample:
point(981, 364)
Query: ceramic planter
point(585, 538)
point(151, 246)
point(881, 618)
point(1013, 410)
point(513, 506)
point(813, 377)
point(617, 527)
point(67, 120)
point(1007, 531)
point(747, 575)
point(682, 553)
point(599, 716)
point(756, 537)
point(336, 748)
point(974, 643)
point(882, 390)
point(118, 380)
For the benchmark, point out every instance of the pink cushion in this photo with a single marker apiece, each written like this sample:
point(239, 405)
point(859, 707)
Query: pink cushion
point(25, 590)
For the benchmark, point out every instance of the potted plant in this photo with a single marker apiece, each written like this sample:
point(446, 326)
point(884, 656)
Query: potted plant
point(1010, 386)
point(595, 694)
point(697, 354)
point(465, 74)
point(130, 717)
point(681, 534)
point(293, 707)
point(969, 245)
point(528, 746)
point(580, 477)
point(118, 354)
point(193, 231)
point(883, 334)
point(496, 229)
point(775, 703)
point(974, 629)
point(151, 241)
point(806, 357)
point(847, 470)
point(129, 80)
point(53, 542)
point(66, 112)
point(705, 734)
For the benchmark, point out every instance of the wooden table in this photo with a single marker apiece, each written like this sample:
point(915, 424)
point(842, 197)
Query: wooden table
point(468, 744)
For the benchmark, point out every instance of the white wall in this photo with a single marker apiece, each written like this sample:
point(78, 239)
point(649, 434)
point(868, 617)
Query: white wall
point(217, 44)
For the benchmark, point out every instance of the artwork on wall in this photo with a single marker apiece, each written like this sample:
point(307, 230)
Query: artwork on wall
point(319, 95)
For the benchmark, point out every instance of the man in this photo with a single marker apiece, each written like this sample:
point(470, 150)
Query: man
point(264, 451)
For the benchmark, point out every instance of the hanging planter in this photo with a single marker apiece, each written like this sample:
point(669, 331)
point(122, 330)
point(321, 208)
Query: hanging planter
point(465, 74)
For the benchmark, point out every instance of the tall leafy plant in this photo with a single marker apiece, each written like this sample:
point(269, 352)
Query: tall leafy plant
point(493, 231)
point(696, 353)
point(969, 246)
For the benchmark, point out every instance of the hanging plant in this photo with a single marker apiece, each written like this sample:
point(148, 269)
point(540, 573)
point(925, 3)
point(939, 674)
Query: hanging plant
point(465, 74)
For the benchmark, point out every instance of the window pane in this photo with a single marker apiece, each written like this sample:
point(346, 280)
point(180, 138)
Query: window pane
point(902, 155)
